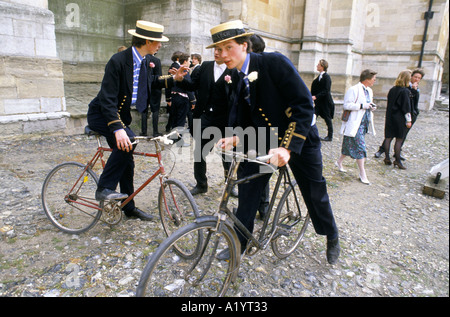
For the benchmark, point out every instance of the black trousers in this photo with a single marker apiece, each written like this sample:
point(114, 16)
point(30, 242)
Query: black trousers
point(119, 168)
point(155, 104)
point(199, 159)
point(325, 114)
point(155, 120)
point(180, 108)
point(307, 169)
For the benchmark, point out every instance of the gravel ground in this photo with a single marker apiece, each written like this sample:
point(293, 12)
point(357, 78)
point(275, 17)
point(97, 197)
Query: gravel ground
point(394, 239)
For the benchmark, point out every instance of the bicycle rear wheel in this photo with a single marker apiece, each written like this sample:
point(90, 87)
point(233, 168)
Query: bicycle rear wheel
point(168, 275)
point(177, 208)
point(292, 221)
point(68, 197)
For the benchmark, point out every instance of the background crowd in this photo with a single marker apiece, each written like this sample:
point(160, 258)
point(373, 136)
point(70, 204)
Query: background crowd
point(240, 89)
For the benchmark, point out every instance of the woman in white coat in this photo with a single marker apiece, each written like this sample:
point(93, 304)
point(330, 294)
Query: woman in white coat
point(359, 102)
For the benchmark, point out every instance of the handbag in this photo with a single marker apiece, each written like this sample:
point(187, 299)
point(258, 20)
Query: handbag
point(345, 115)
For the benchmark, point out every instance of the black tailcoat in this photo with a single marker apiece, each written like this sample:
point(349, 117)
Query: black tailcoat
point(324, 101)
point(212, 109)
point(281, 102)
point(110, 111)
point(113, 101)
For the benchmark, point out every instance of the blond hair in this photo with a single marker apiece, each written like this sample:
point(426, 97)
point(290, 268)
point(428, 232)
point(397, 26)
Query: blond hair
point(403, 78)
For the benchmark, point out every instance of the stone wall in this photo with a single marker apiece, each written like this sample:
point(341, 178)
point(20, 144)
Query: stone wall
point(385, 35)
point(88, 33)
point(31, 78)
point(186, 24)
point(352, 35)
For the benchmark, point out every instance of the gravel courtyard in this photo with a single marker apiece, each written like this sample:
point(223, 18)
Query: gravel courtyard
point(394, 239)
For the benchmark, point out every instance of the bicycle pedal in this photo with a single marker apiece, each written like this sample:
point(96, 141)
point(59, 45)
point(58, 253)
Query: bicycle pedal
point(283, 230)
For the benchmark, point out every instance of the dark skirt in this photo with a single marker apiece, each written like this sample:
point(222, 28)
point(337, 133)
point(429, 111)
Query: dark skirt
point(398, 105)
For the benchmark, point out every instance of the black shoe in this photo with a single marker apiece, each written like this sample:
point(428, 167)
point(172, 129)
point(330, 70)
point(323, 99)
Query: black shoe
point(137, 213)
point(198, 190)
point(108, 194)
point(156, 134)
point(380, 151)
point(262, 216)
point(263, 207)
point(333, 250)
point(327, 139)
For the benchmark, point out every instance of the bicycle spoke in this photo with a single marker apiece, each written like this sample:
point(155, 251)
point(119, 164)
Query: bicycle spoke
point(291, 224)
point(178, 208)
point(72, 212)
point(169, 275)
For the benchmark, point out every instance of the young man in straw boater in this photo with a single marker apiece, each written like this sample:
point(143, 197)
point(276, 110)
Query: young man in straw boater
point(127, 82)
point(269, 95)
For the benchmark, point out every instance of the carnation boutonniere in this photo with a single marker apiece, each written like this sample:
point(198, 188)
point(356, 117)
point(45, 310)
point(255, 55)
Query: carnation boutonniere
point(228, 79)
point(252, 76)
point(152, 65)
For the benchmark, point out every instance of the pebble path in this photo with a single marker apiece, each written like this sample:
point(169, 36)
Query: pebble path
point(394, 239)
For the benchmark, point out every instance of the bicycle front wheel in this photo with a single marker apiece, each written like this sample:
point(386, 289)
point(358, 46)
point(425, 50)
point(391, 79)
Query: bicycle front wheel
point(177, 208)
point(291, 219)
point(168, 275)
point(68, 197)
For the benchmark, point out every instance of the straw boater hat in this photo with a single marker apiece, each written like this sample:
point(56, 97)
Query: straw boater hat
point(227, 31)
point(149, 31)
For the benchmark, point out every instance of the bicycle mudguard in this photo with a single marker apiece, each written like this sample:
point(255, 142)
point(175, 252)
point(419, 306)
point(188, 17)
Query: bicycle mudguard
point(227, 222)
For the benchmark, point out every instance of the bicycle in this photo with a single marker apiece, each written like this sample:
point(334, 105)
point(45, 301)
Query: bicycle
point(205, 275)
point(68, 193)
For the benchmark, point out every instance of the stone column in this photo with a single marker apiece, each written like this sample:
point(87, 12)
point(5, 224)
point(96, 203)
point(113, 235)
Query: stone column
point(333, 30)
point(31, 78)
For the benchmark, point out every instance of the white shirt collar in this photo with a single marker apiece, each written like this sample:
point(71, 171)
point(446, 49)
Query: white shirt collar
point(218, 70)
point(221, 66)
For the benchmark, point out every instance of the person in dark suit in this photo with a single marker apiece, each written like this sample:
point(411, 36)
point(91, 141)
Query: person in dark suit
point(258, 46)
point(127, 82)
point(271, 96)
point(181, 100)
point(321, 95)
point(398, 118)
point(196, 62)
point(212, 89)
point(168, 92)
point(416, 77)
point(154, 101)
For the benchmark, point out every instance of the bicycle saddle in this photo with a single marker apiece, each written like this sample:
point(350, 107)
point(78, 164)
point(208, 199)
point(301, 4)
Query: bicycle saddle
point(89, 131)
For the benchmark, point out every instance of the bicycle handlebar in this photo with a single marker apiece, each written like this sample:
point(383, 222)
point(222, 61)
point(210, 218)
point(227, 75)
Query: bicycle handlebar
point(250, 156)
point(163, 139)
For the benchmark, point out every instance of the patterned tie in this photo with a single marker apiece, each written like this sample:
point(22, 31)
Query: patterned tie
point(366, 92)
point(142, 93)
point(232, 116)
point(247, 87)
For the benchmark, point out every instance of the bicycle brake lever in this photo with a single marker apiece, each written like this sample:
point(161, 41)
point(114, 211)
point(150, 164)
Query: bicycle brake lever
point(264, 158)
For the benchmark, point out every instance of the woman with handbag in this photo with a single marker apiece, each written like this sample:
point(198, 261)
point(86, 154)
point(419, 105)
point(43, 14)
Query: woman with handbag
point(358, 120)
point(398, 117)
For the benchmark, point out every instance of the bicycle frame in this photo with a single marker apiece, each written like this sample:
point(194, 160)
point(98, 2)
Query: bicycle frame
point(233, 181)
point(99, 156)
